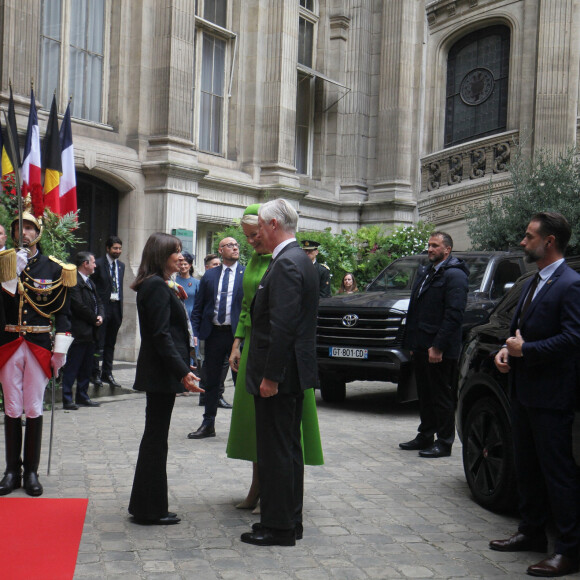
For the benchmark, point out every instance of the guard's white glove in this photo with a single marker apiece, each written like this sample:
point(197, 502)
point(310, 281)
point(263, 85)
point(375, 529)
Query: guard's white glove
point(57, 361)
point(21, 261)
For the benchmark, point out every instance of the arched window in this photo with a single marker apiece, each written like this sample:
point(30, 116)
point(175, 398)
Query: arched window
point(477, 85)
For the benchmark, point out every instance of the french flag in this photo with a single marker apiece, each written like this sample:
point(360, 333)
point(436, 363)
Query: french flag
point(68, 180)
point(31, 166)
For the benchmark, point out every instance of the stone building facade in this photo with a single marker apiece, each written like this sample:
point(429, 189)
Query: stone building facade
point(359, 111)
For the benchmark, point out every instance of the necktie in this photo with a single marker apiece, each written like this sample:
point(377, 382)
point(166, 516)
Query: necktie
point(93, 297)
point(530, 295)
point(224, 296)
point(114, 276)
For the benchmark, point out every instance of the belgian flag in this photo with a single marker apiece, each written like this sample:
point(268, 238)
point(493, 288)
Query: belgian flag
point(52, 161)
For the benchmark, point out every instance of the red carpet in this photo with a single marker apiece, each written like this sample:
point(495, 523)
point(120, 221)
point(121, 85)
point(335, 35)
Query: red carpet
point(40, 537)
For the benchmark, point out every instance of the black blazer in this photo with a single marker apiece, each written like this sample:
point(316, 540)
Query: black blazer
point(283, 339)
point(104, 283)
point(546, 376)
point(83, 316)
point(436, 309)
point(203, 308)
point(164, 353)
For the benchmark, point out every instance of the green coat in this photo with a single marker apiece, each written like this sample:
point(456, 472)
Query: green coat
point(242, 437)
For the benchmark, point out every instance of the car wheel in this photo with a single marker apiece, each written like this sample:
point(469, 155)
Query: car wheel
point(332, 389)
point(488, 459)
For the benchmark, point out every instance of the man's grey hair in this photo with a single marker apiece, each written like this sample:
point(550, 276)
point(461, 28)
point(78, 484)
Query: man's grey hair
point(281, 211)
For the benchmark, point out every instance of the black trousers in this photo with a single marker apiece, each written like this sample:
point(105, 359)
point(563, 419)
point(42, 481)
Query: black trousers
point(547, 474)
point(78, 367)
point(280, 459)
point(218, 345)
point(436, 398)
point(149, 494)
point(107, 338)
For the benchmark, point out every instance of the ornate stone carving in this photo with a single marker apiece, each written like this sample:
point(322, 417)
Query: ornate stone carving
point(455, 174)
point(434, 179)
point(477, 163)
point(502, 153)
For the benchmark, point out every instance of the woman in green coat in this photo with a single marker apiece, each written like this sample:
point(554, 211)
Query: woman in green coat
point(242, 437)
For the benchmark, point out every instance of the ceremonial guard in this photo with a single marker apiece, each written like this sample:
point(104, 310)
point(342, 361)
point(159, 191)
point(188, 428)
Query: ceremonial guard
point(34, 303)
point(311, 249)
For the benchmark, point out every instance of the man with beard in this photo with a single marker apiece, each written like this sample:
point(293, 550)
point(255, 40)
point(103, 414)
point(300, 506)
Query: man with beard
point(433, 336)
point(542, 356)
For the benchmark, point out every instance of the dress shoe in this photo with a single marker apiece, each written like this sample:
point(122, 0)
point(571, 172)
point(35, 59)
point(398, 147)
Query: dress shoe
point(97, 381)
point(223, 404)
point(167, 520)
point(270, 537)
point(110, 380)
point(88, 403)
point(203, 432)
point(520, 543)
point(420, 442)
point(298, 530)
point(70, 406)
point(436, 450)
point(555, 565)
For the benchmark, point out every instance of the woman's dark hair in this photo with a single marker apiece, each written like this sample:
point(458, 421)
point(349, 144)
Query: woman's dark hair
point(354, 288)
point(156, 252)
point(189, 259)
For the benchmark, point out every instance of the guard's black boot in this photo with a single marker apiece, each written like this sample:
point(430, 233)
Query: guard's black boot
point(32, 446)
point(13, 436)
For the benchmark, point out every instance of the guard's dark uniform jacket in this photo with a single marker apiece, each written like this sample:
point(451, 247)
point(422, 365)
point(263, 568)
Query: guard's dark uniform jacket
point(43, 295)
point(324, 275)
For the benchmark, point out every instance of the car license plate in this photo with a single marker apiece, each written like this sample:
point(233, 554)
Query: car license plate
point(347, 352)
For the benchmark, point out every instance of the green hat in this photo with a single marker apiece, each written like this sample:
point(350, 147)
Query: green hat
point(252, 209)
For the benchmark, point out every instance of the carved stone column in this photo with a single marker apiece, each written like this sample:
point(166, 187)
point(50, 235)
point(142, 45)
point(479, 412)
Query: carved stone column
point(557, 75)
point(399, 103)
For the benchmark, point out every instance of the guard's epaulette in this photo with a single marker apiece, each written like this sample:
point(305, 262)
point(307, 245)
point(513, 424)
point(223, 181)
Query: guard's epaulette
point(7, 265)
point(325, 266)
point(69, 272)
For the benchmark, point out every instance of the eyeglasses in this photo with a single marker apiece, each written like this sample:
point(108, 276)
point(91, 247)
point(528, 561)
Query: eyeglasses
point(231, 246)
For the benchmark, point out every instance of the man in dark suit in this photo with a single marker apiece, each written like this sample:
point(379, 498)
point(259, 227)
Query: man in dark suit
point(214, 319)
point(108, 279)
point(433, 336)
point(281, 366)
point(542, 355)
point(311, 249)
point(87, 313)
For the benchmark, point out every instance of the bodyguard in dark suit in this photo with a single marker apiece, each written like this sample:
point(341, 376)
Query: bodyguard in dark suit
point(162, 372)
point(214, 319)
point(433, 335)
point(87, 314)
point(542, 355)
point(108, 278)
point(281, 366)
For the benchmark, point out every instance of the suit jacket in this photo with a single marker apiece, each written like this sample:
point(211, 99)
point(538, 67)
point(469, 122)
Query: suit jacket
point(283, 313)
point(203, 309)
point(164, 353)
point(436, 309)
point(546, 375)
point(83, 315)
point(104, 283)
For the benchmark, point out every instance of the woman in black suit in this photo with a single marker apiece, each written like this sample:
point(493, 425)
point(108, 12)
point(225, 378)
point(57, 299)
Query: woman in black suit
point(162, 371)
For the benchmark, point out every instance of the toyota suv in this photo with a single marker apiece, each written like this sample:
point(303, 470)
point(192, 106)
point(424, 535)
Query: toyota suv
point(360, 336)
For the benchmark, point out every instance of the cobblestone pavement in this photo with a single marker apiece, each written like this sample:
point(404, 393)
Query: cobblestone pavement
point(372, 511)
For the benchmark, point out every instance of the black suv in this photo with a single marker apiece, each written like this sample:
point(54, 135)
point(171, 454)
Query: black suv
point(483, 422)
point(360, 336)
